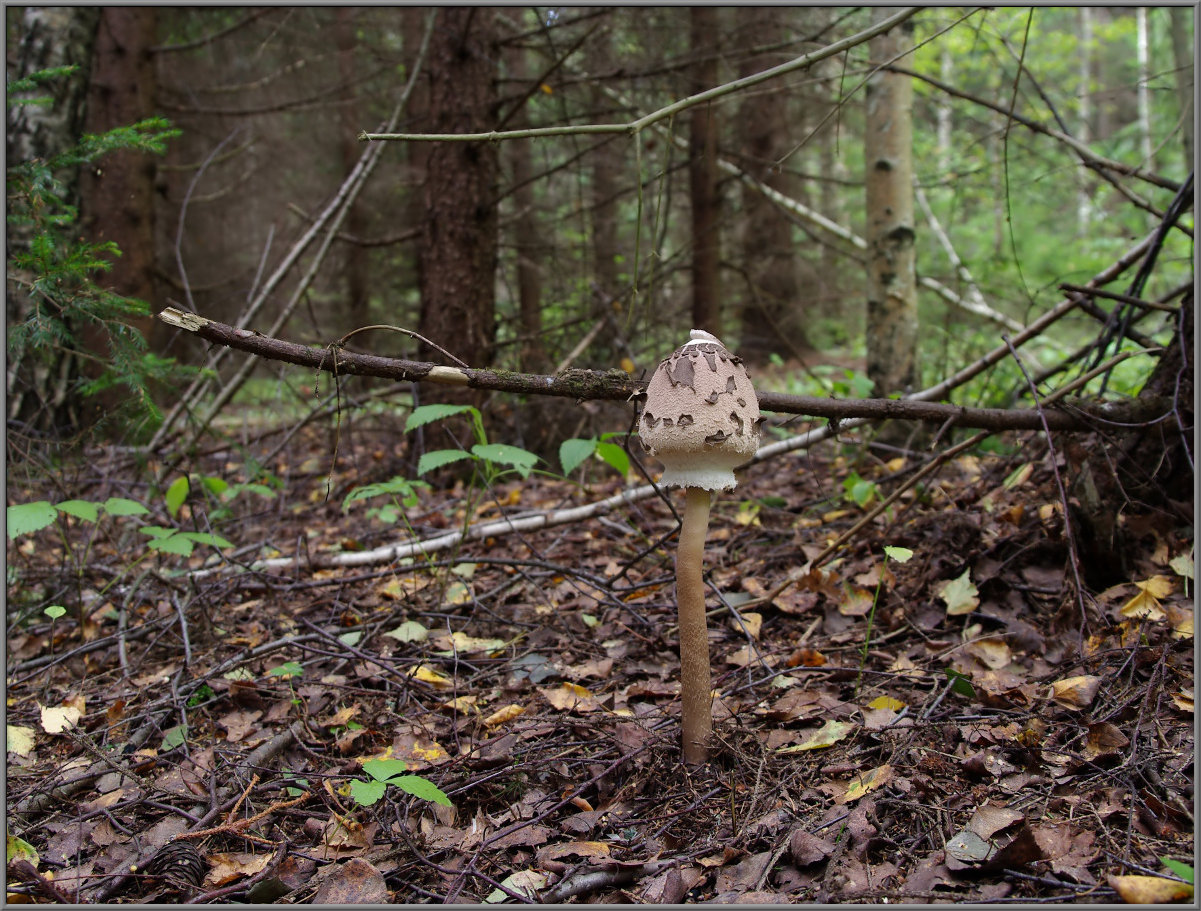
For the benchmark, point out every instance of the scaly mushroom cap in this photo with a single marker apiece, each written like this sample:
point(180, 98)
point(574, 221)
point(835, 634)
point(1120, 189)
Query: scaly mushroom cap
point(701, 418)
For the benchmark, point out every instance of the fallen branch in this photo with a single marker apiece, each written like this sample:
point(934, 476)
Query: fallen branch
point(615, 385)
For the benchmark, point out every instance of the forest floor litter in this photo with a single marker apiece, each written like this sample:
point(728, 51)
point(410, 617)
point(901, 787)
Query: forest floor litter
point(936, 714)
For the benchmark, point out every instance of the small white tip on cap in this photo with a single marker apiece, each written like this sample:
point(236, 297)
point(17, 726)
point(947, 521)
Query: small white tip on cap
point(700, 335)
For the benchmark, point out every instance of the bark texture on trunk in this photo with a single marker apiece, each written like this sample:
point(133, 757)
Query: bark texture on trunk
point(704, 23)
point(892, 323)
point(771, 323)
point(458, 241)
point(1182, 30)
point(356, 262)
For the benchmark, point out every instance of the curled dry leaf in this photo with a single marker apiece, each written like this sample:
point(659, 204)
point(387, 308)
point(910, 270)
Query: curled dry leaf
point(1075, 692)
point(1104, 739)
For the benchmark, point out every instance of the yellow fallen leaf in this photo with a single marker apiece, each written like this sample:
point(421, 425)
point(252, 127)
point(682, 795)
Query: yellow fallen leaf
point(1076, 692)
point(826, 736)
point(753, 622)
point(886, 702)
point(460, 703)
point(1181, 621)
point(868, 781)
point(506, 713)
point(1150, 890)
point(570, 697)
point(20, 739)
point(1157, 586)
point(1144, 605)
point(427, 674)
point(58, 718)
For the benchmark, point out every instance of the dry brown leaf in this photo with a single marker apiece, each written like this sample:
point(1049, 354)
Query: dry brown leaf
point(752, 621)
point(355, 882)
point(1104, 739)
point(588, 849)
point(993, 653)
point(856, 602)
point(226, 867)
point(1075, 692)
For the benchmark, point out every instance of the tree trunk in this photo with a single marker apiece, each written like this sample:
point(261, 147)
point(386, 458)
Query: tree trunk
point(607, 165)
point(1084, 196)
point(50, 37)
point(117, 197)
point(1140, 472)
point(1182, 26)
point(1143, 56)
point(770, 318)
point(526, 242)
point(704, 22)
point(357, 279)
point(892, 324)
point(458, 241)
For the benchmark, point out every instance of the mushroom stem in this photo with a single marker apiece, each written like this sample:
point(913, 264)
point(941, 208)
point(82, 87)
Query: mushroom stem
point(695, 687)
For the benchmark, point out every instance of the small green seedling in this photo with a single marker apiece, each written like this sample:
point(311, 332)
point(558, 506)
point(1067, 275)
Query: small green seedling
point(385, 772)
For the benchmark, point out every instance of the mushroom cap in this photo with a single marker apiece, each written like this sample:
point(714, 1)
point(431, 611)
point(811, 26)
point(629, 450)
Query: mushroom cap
point(701, 417)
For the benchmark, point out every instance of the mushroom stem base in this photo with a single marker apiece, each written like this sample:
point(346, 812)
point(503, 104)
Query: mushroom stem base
point(695, 688)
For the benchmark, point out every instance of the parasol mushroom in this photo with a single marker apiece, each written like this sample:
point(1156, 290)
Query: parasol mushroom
point(701, 420)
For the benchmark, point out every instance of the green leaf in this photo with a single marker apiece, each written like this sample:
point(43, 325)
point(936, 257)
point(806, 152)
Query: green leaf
point(1183, 870)
point(439, 458)
point(54, 611)
point(204, 537)
point(572, 453)
point(352, 638)
point(286, 670)
point(214, 485)
point(398, 486)
point(426, 414)
point(420, 787)
point(365, 793)
point(960, 684)
point(174, 737)
point(177, 493)
point(383, 769)
point(25, 518)
point(177, 544)
point(120, 506)
point(19, 849)
point(156, 531)
point(409, 631)
point(615, 455)
point(80, 509)
point(521, 459)
point(900, 554)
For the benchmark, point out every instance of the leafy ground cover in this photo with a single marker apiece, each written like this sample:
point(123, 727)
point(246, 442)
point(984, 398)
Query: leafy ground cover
point(936, 714)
